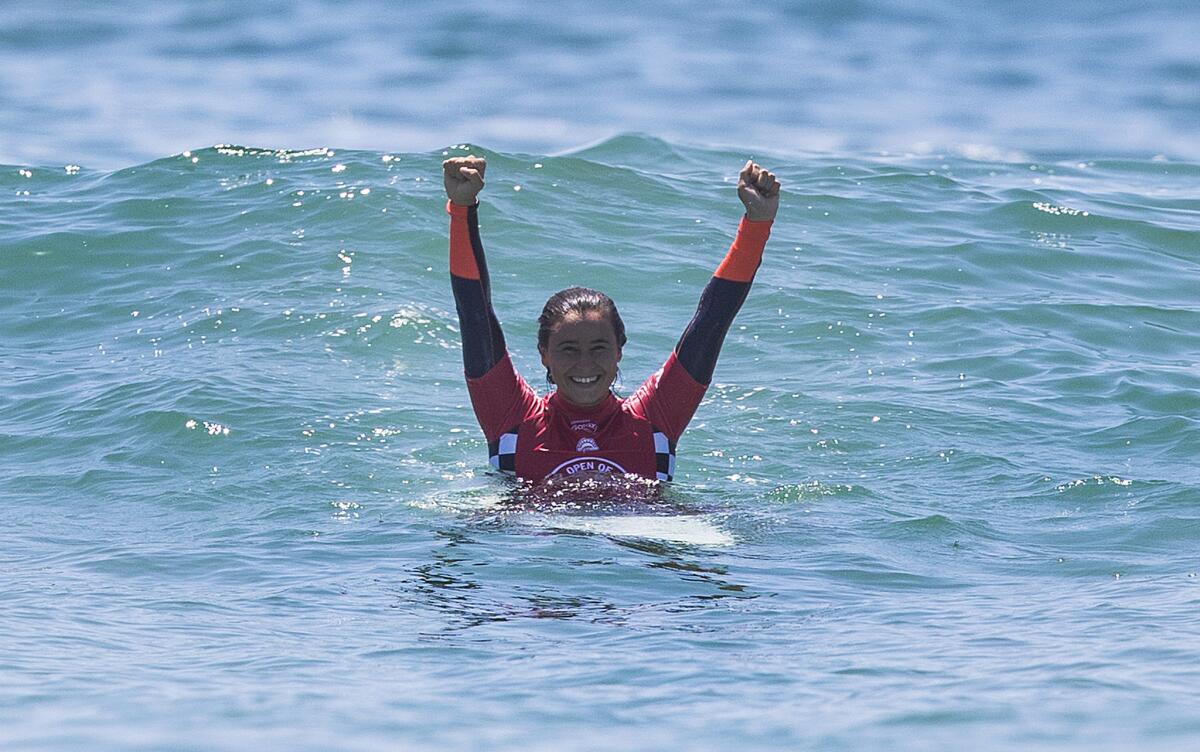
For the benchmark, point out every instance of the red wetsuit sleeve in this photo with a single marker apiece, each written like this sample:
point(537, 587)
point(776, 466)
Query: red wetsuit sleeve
point(722, 298)
point(668, 399)
point(482, 338)
point(501, 399)
point(462, 254)
point(745, 254)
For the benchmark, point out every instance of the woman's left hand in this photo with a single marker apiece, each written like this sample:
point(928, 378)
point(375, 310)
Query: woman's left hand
point(759, 191)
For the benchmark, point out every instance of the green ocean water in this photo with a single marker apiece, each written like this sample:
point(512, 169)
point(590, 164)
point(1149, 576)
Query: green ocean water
point(944, 483)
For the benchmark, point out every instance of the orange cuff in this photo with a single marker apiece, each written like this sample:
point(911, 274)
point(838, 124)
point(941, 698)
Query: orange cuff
point(745, 254)
point(462, 255)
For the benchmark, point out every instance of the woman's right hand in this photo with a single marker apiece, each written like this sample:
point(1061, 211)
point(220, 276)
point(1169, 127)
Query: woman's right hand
point(463, 177)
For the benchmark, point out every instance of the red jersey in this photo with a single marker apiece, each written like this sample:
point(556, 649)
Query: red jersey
point(547, 437)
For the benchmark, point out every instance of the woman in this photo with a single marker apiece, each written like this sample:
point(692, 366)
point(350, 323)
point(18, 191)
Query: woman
point(582, 429)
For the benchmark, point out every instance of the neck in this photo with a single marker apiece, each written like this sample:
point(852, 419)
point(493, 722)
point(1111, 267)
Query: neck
point(585, 408)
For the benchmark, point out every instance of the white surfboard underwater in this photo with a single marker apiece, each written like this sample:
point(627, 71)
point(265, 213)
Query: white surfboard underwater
point(691, 529)
point(632, 509)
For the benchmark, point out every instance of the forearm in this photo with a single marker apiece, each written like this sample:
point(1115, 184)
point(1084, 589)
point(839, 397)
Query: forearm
point(483, 341)
point(700, 345)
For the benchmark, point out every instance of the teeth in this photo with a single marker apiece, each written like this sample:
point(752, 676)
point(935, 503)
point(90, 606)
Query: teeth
point(579, 380)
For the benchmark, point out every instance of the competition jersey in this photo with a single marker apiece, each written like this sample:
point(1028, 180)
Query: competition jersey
point(543, 437)
point(546, 437)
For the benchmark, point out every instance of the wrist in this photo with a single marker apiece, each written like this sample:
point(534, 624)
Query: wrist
point(760, 217)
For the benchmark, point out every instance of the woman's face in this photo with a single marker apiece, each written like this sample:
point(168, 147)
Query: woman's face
point(582, 356)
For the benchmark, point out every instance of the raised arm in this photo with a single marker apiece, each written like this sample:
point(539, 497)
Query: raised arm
point(483, 341)
point(700, 344)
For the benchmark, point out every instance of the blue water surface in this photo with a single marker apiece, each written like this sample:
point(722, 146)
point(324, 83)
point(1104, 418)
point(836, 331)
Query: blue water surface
point(110, 86)
point(942, 491)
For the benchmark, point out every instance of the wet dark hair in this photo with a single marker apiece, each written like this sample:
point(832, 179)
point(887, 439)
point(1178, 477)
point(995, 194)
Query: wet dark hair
point(578, 301)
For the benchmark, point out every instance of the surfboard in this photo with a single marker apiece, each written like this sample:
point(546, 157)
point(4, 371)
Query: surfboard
point(611, 509)
point(692, 529)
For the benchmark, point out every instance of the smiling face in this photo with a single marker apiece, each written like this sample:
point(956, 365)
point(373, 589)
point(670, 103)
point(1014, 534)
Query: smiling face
point(582, 356)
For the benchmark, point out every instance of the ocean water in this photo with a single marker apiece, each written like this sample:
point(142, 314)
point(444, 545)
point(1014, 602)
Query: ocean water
point(943, 491)
point(115, 84)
